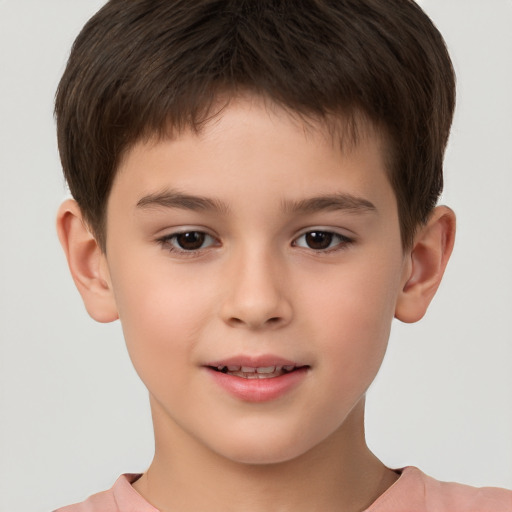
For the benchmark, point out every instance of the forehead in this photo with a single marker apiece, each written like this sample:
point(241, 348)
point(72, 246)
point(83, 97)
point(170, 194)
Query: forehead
point(343, 129)
point(253, 144)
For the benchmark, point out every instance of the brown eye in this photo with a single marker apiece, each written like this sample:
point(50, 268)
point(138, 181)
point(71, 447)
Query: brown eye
point(318, 240)
point(188, 241)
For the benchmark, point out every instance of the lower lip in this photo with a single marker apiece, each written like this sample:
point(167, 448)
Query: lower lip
point(259, 390)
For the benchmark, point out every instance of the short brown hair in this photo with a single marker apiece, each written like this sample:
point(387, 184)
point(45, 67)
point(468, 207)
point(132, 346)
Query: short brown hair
point(140, 67)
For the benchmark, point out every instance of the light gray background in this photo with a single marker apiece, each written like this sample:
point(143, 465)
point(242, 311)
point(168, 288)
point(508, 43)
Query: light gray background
point(73, 414)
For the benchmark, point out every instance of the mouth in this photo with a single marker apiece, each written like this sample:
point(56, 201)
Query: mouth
point(258, 372)
point(260, 378)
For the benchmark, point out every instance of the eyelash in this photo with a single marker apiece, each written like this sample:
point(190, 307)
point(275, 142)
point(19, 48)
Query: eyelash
point(169, 242)
point(342, 241)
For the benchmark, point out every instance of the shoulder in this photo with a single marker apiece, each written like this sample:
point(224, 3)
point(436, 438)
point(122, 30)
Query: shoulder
point(122, 497)
point(103, 501)
point(416, 492)
point(463, 498)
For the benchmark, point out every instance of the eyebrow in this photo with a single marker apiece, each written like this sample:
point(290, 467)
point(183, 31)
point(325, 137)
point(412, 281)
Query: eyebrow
point(330, 202)
point(176, 199)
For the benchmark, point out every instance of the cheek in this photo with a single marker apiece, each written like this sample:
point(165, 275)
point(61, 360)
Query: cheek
point(353, 312)
point(357, 298)
point(161, 318)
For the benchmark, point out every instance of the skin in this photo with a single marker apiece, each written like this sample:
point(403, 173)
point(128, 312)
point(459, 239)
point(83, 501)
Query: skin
point(259, 284)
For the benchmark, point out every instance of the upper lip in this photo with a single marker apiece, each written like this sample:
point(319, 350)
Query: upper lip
point(252, 361)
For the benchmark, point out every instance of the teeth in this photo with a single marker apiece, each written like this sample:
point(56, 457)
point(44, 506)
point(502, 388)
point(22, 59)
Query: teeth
point(267, 369)
point(249, 372)
point(256, 375)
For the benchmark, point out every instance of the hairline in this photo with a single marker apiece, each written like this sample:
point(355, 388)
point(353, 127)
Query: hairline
point(345, 130)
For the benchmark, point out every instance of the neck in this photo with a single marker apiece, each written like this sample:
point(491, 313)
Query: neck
point(339, 474)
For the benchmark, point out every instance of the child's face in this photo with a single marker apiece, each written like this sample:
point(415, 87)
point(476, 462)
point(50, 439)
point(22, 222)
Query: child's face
point(256, 243)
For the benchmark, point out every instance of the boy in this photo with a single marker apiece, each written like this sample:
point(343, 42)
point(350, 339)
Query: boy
point(254, 192)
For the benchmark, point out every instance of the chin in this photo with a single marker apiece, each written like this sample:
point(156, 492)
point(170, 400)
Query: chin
point(255, 457)
point(264, 449)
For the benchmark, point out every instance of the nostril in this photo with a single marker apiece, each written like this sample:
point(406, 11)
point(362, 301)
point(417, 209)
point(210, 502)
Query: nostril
point(235, 321)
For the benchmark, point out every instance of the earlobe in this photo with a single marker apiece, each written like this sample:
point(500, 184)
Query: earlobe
point(87, 263)
point(425, 267)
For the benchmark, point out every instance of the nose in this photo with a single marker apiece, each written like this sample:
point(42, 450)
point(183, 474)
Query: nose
point(256, 292)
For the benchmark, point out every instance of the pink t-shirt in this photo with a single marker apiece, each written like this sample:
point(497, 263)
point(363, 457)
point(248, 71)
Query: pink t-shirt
point(412, 492)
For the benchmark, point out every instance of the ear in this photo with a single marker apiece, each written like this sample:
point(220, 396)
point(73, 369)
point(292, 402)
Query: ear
point(425, 265)
point(87, 263)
